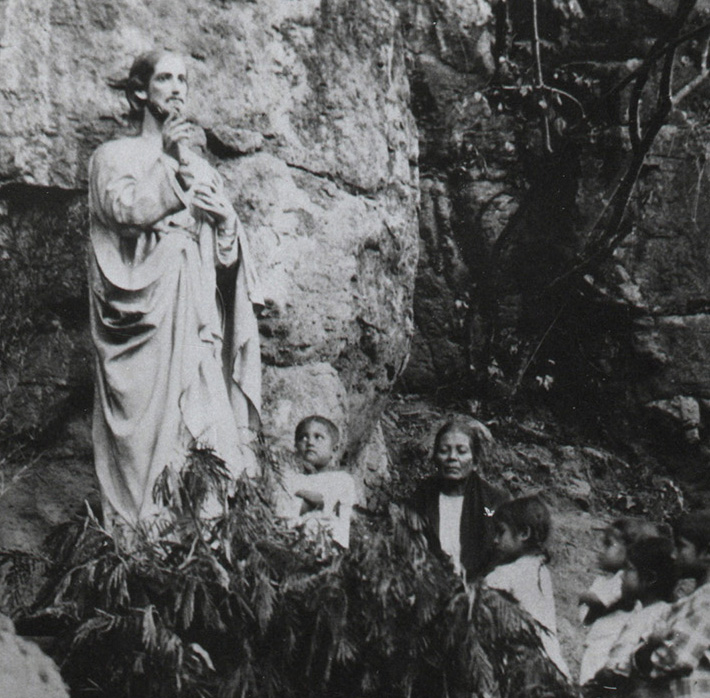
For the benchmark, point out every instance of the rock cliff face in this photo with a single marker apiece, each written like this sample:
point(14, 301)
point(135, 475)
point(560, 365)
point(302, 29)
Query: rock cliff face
point(305, 108)
point(306, 112)
point(494, 214)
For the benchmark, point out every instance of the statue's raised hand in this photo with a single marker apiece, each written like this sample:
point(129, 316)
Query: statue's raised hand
point(209, 197)
point(176, 133)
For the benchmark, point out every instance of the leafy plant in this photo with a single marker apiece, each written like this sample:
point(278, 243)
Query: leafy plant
point(241, 605)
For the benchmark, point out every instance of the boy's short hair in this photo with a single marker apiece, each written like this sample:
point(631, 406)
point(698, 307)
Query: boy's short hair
point(478, 433)
point(632, 529)
point(694, 527)
point(653, 559)
point(323, 421)
point(527, 512)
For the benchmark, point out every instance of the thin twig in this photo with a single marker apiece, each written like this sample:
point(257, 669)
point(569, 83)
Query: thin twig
point(524, 369)
point(539, 81)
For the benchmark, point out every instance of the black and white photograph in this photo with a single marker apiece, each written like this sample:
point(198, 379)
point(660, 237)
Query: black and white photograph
point(354, 349)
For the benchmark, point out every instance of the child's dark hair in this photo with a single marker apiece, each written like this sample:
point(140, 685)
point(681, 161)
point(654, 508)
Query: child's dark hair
point(529, 513)
point(694, 527)
point(477, 433)
point(653, 560)
point(323, 421)
point(631, 529)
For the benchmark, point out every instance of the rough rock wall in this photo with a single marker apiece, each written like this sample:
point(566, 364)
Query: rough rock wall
point(305, 109)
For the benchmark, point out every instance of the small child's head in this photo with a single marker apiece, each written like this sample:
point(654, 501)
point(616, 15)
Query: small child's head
point(649, 572)
point(522, 527)
point(619, 536)
point(692, 538)
point(458, 447)
point(316, 441)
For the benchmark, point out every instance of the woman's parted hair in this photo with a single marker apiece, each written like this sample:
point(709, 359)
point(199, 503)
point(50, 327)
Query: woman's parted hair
point(478, 434)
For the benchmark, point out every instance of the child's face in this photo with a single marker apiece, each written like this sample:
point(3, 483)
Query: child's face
point(630, 582)
point(688, 559)
point(315, 445)
point(612, 555)
point(509, 544)
point(453, 456)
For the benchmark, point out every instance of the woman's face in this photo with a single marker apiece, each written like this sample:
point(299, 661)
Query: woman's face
point(453, 455)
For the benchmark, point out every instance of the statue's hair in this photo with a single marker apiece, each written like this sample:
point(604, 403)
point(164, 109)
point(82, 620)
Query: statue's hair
point(324, 422)
point(138, 78)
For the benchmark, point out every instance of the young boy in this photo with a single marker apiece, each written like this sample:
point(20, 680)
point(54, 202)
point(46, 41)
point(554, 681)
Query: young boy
point(522, 527)
point(319, 494)
point(678, 652)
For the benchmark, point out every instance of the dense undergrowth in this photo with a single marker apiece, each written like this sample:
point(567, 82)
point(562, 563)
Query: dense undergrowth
point(243, 606)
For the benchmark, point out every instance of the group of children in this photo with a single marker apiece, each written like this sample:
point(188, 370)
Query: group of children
point(640, 642)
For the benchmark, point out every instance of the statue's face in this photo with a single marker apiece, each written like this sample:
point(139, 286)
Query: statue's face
point(167, 89)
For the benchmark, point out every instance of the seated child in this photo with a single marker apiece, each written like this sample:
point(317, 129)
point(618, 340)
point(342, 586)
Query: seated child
point(677, 654)
point(320, 494)
point(522, 527)
point(600, 604)
point(649, 579)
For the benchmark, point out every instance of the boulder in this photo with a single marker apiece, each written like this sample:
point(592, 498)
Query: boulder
point(25, 671)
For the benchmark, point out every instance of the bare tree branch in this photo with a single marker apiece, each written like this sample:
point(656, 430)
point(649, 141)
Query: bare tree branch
point(664, 44)
point(704, 72)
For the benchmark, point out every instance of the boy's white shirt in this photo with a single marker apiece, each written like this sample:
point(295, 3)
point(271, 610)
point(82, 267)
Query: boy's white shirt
point(607, 589)
point(338, 491)
point(528, 580)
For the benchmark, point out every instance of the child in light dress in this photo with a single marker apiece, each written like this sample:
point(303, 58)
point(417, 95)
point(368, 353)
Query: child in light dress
point(522, 527)
point(600, 607)
point(320, 496)
point(648, 581)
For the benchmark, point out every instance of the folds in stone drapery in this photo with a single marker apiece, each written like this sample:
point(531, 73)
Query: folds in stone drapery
point(160, 383)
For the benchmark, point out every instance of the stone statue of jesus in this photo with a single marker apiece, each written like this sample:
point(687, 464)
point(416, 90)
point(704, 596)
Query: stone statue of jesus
point(161, 223)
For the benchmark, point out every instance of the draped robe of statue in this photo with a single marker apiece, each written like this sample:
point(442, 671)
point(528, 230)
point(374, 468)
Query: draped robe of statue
point(162, 382)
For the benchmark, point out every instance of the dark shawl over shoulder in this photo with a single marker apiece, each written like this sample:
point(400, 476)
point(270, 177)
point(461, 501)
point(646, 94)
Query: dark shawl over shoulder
point(480, 500)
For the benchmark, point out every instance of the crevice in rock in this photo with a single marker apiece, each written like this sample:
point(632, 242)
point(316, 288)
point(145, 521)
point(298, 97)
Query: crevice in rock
point(349, 187)
point(23, 195)
point(219, 148)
